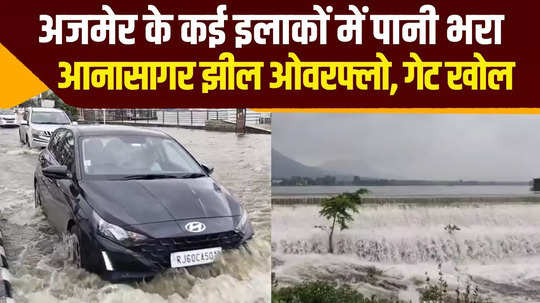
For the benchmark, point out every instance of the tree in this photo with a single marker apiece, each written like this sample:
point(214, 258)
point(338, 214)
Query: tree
point(338, 210)
point(71, 111)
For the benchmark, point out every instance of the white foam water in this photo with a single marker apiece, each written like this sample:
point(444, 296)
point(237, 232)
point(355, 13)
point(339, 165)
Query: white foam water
point(410, 240)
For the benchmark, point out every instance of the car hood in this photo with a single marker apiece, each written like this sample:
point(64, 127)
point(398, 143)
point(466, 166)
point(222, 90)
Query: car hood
point(135, 202)
point(47, 127)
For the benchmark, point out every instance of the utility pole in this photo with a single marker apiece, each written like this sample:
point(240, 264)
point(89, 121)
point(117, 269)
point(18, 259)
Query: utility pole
point(241, 121)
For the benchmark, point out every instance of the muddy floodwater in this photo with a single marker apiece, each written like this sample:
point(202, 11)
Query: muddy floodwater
point(390, 250)
point(38, 257)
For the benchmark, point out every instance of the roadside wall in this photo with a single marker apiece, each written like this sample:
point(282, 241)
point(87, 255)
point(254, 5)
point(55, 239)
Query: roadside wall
point(225, 126)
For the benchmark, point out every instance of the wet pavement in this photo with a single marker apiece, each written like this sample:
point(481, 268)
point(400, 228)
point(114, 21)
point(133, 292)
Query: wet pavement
point(38, 256)
point(390, 249)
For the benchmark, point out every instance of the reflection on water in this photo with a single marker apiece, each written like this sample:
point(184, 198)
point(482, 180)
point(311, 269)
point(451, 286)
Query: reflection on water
point(37, 255)
point(410, 191)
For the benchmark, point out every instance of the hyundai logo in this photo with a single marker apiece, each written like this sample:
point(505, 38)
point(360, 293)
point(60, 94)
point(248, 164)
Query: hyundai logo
point(195, 227)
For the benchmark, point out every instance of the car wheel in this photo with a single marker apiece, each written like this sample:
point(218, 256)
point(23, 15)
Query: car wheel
point(76, 254)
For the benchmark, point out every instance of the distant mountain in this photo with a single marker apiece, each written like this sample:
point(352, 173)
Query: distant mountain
point(345, 170)
point(285, 167)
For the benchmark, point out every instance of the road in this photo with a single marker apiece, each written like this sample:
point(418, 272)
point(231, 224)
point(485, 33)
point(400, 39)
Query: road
point(390, 249)
point(38, 257)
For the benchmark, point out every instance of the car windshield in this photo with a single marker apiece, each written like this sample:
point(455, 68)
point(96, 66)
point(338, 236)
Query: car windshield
point(6, 112)
point(136, 157)
point(50, 118)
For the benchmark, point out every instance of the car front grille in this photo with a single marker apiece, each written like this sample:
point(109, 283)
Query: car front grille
point(47, 133)
point(159, 250)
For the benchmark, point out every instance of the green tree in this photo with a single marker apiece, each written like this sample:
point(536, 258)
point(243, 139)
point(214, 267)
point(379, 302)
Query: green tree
point(72, 112)
point(338, 210)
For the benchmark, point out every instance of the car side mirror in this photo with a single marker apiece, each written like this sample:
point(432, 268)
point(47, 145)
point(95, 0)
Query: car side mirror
point(24, 122)
point(208, 170)
point(56, 172)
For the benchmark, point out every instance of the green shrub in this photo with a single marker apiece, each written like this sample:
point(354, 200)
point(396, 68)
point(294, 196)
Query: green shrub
point(438, 292)
point(321, 292)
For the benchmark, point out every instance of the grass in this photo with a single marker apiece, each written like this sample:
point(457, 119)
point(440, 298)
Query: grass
point(438, 292)
point(435, 291)
point(321, 292)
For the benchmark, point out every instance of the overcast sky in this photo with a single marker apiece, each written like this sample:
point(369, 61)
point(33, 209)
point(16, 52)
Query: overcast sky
point(449, 147)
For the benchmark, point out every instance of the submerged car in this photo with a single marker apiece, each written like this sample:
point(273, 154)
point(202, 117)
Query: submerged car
point(8, 118)
point(134, 202)
point(39, 123)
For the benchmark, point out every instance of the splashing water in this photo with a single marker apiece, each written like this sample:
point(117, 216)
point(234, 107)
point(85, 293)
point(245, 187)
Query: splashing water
point(38, 256)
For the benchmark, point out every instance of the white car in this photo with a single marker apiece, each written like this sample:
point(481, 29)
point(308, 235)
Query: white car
point(8, 118)
point(39, 123)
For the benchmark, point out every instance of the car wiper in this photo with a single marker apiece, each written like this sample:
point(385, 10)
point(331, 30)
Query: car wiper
point(192, 176)
point(148, 177)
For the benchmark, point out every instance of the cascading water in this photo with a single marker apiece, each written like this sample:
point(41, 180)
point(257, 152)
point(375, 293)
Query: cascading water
point(405, 241)
point(414, 238)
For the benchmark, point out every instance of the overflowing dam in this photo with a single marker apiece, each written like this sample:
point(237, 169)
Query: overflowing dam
point(496, 245)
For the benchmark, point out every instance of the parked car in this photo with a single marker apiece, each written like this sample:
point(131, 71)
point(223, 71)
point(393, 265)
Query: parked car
point(134, 202)
point(8, 118)
point(39, 123)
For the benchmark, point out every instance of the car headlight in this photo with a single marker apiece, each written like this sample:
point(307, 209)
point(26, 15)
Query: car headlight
point(243, 220)
point(116, 233)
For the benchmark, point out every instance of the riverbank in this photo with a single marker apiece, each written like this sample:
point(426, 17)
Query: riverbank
point(315, 200)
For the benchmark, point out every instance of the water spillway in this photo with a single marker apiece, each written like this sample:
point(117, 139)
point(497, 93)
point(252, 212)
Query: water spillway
point(496, 245)
point(410, 234)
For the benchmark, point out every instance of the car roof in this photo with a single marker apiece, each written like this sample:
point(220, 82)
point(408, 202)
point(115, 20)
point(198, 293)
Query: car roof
point(46, 109)
point(113, 130)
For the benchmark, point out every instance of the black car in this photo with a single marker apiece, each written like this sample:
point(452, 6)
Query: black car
point(134, 202)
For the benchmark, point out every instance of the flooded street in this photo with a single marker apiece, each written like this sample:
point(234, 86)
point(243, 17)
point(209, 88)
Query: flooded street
point(390, 250)
point(38, 258)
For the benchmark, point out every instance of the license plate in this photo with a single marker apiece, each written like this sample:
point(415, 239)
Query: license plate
point(195, 257)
